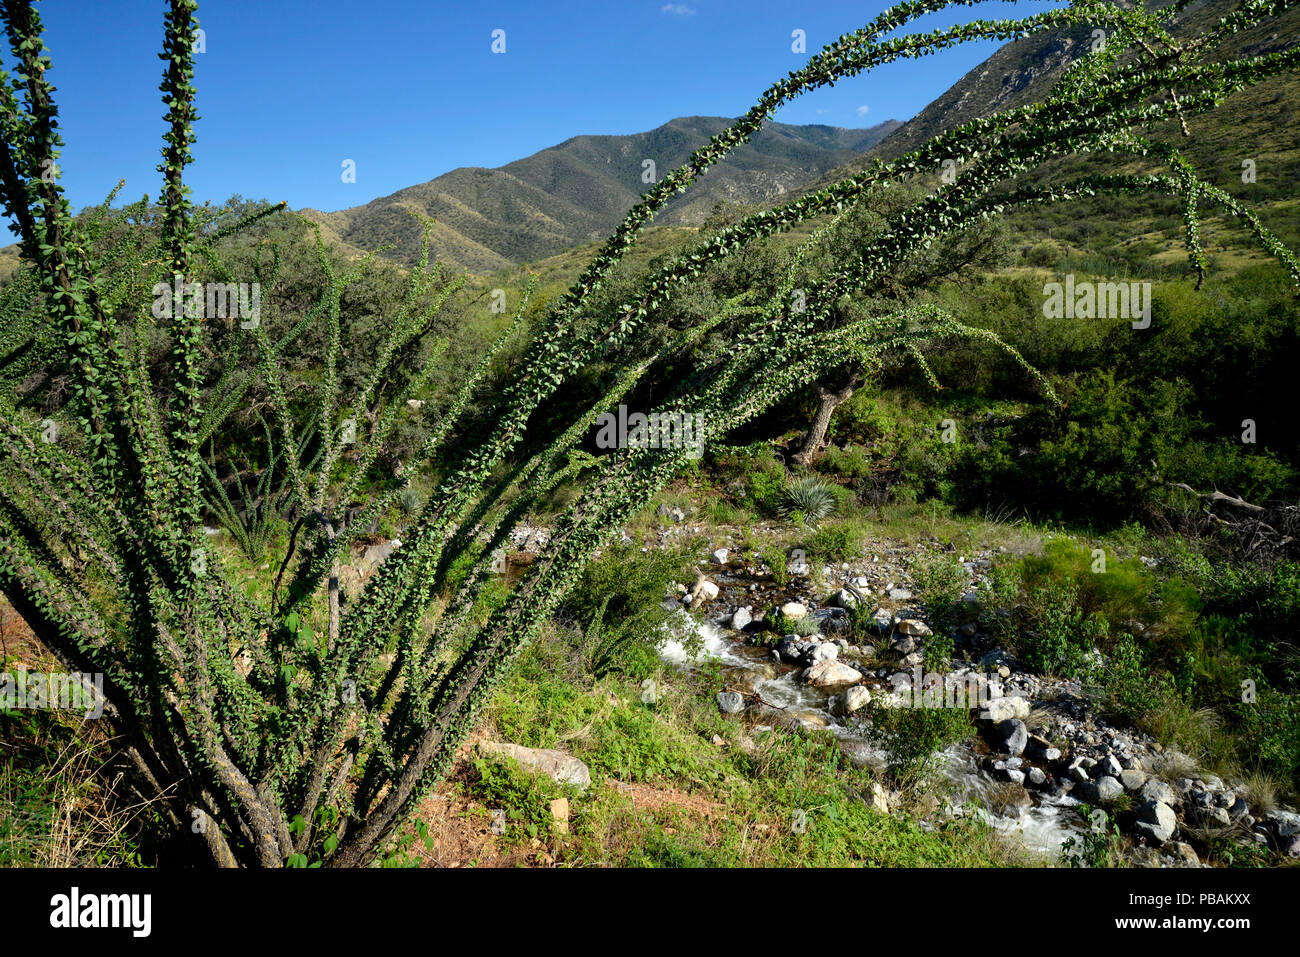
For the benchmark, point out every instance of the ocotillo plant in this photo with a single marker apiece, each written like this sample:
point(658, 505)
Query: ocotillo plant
point(275, 746)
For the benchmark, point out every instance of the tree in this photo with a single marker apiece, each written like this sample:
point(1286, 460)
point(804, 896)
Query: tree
point(274, 745)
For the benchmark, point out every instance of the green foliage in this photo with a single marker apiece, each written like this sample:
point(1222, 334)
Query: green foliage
point(525, 798)
point(1097, 845)
point(808, 501)
point(916, 737)
point(942, 581)
point(1061, 635)
point(101, 549)
point(838, 542)
point(619, 604)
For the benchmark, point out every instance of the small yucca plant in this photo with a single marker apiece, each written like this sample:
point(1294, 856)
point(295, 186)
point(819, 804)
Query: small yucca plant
point(807, 501)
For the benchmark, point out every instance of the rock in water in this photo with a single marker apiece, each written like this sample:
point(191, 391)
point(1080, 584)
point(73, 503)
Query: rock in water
point(1012, 736)
point(856, 698)
point(561, 767)
point(831, 673)
point(740, 618)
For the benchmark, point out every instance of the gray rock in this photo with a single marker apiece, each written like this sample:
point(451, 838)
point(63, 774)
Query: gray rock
point(561, 767)
point(720, 556)
point(856, 698)
point(1212, 816)
point(730, 702)
point(1110, 766)
point(1132, 779)
point(914, 628)
point(1156, 821)
point(843, 599)
point(1012, 736)
point(740, 618)
point(1015, 775)
point(825, 651)
point(1286, 823)
point(900, 594)
point(1006, 708)
point(904, 646)
point(1159, 791)
point(1107, 789)
point(831, 673)
point(1036, 777)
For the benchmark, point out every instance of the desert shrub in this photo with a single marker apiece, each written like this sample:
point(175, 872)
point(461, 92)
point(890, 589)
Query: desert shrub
point(942, 581)
point(808, 501)
point(758, 477)
point(850, 463)
point(839, 542)
point(1123, 590)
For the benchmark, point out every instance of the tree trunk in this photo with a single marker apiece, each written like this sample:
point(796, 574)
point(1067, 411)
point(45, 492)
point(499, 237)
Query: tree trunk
point(828, 401)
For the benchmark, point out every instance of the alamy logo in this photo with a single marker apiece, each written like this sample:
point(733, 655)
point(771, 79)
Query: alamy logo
point(134, 911)
point(658, 430)
point(40, 692)
point(1098, 300)
point(212, 300)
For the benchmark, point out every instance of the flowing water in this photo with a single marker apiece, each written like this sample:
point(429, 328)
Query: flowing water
point(1042, 826)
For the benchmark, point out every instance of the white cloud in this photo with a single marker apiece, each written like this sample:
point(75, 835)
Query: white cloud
point(863, 110)
point(680, 9)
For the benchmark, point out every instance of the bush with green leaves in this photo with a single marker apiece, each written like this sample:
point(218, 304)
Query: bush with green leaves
point(837, 542)
point(916, 737)
point(617, 607)
point(279, 724)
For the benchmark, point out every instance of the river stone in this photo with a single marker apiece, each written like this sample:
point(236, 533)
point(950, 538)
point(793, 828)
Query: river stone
point(1158, 791)
point(825, 651)
point(558, 766)
point(856, 698)
point(704, 589)
point(1287, 823)
point(740, 618)
point(914, 627)
point(1132, 779)
point(1036, 777)
point(1006, 708)
point(794, 610)
point(730, 702)
point(843, 599)
point(1012, 736)
point(1215, 816)
point(1156, 820)
point(831, 673)
point(1108, 789)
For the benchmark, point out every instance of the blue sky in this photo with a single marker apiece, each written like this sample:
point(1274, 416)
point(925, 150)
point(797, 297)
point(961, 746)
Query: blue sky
point(409, 89)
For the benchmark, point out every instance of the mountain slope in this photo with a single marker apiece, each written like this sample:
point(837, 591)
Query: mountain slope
point(579, 190)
